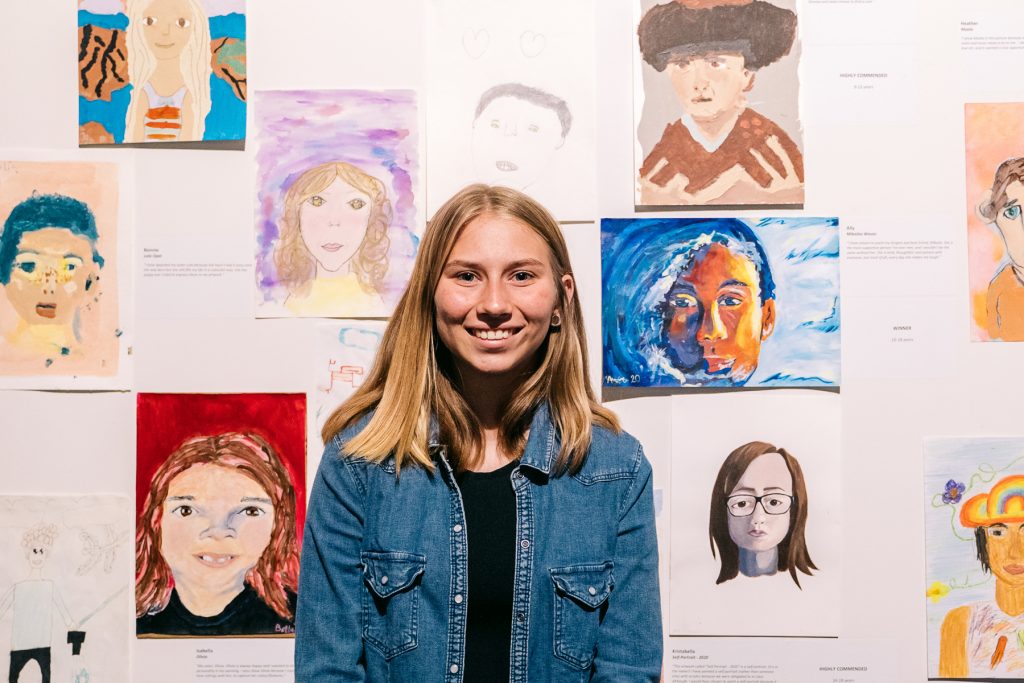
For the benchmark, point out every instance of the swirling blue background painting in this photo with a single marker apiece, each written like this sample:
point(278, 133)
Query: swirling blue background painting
point(642, 258)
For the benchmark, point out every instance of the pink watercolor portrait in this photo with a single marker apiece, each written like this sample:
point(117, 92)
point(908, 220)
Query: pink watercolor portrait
point(338, 201)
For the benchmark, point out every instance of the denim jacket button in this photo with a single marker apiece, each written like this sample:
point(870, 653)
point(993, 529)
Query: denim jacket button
point(458, 599)
point(384, 580)
point(524, 544)
point(454, 669)
point(520, 617)
point(592, 590)
point(457, 528)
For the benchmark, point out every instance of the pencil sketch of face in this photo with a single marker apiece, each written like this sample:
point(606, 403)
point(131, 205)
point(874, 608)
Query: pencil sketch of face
point(516, 132)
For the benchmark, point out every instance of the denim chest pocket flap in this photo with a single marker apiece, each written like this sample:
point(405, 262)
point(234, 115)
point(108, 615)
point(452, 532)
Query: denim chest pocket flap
point(391, 600)
point(581, 591)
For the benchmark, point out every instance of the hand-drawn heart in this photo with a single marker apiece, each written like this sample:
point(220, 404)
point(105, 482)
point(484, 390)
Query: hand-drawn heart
point(475, 42)
point(532, 44)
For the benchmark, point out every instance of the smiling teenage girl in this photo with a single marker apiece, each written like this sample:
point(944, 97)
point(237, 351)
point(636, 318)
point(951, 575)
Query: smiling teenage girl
point(477, 515)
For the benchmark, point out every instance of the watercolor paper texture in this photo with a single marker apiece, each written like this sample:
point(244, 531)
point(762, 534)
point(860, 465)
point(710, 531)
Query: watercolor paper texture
point(161, 71)
point(755, 514)
point(974, 526)
point(339, 207)
point(345, 351)
point(220, 503)
point(995, 220)
point(65, 587)
point(716, 104)
point(720, 302)
point(511, 101)
point(60, 270)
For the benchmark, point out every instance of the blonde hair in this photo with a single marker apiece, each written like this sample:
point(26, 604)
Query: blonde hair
point(194, 62)
point(296, 267)
point(412, 378)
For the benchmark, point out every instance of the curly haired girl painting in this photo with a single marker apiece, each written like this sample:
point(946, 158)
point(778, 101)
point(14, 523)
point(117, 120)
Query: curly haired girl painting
point(338, 201)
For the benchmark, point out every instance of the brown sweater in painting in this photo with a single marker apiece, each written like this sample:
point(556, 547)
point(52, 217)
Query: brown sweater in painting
point(688, 157)
point(1006, 306)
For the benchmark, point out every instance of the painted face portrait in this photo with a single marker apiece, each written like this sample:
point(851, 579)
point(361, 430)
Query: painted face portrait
point(1010, 221)
point(51, 274)
point(998, 519)
point(167, 27)
point(715, 320)
point(759, 504)
point(216, 523)
point(758, 514)
point(333, 224)
point(1005, 546)
point(513, 140)
point(710, 86)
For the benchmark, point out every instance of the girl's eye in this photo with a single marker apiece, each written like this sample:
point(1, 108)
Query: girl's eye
point(70, 267)
point(533, 128)
point(317, 200)
point(183, 510)
point(148, 21)
point(1012, 212)
point(27, 266)
point(729, 301)
point(253, 511)
point(684, 302)
point(183, 22)
point(465, 277)
point(495, 123)
point(357, 203)
point(522, 276)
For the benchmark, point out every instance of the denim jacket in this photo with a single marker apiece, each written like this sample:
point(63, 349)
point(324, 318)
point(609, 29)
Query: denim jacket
point(382, 588)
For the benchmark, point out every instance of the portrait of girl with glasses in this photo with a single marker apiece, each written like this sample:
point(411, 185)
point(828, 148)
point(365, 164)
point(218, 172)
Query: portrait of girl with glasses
point(758, 514)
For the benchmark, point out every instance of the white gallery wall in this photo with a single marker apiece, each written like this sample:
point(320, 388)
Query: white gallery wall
point(882, 88)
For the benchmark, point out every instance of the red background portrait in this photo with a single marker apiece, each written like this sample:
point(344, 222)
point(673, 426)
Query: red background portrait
point(165, 421)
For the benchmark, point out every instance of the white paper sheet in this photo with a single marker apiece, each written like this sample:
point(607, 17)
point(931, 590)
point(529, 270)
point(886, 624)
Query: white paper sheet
point(65, 577)
point(115, 276)
point(344, 353)
point(538, 135)
point(706, 429)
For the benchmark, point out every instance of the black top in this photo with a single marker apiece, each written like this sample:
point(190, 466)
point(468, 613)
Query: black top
point(245, 615)
point(490, 505)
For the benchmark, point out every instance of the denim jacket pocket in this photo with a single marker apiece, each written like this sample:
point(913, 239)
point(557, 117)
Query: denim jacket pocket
point(581, 597)
point(390, 600)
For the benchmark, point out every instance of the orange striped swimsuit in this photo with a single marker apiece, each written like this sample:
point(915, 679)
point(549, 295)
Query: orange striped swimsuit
point(163, 118)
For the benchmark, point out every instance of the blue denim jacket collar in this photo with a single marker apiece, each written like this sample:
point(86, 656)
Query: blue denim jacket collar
point(541, 444)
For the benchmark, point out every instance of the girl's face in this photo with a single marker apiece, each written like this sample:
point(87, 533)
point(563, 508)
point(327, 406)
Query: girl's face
point(766, 477)
point(496, 297)
point(333, 223)
point(216, 524)
point(49, 276)
point(167, 26)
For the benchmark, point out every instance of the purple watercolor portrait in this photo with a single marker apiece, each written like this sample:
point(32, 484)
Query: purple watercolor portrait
point(339, 204)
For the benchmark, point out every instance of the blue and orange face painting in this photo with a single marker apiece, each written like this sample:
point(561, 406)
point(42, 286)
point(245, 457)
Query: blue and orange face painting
point(698, 302)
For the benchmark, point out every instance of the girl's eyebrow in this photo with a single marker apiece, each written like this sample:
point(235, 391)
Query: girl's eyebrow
point(254, 499)
point(181, 497)
point(458, 263)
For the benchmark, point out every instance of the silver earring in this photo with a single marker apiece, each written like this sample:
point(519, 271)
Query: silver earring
point(556, 320)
